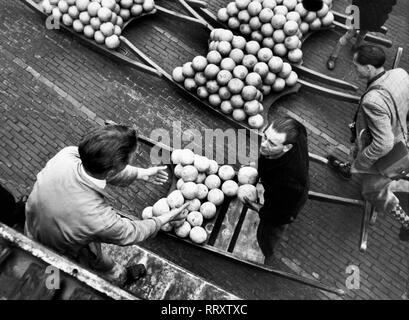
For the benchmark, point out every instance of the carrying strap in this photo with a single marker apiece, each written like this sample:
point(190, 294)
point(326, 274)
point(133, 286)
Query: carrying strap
point(379, 87)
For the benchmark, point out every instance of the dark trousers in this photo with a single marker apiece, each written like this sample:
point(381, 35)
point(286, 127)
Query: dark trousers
point(268, 236)
point(11, 212)
point(274, 223)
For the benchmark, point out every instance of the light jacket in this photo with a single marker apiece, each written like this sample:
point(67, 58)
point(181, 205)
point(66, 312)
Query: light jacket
point(66, 211)
point(377, 116)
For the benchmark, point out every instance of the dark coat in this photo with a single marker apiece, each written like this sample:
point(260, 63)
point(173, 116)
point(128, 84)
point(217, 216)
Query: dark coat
point(373, 13)
point(7, 206)
point(286, 184)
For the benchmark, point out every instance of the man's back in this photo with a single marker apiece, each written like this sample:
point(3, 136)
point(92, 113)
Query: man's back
point(60, 208)
point(379, 115)
point(396, 82)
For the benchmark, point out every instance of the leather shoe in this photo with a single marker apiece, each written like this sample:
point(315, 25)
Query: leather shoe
point(404, 234)
point(343, 169)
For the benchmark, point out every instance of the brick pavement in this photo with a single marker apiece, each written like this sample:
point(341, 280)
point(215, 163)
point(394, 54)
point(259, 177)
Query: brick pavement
point(53, 89)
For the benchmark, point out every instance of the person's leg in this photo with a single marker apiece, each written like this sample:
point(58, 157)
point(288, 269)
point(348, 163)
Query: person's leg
point(343, 169)
point(341, 43)
point(93, 258)
point(7, 207)
point(268, 236)
point(378, 191)
point(359, 38)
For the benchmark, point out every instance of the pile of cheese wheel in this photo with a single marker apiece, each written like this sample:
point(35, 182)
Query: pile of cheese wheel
point(205, 185)
point(276, 24)
point(235, 75)
point(101, 20)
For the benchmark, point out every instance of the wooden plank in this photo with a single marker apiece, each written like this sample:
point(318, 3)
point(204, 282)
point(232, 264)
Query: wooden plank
point(318, 158)
point(229, 224)
point(247, 245)
point(334, 199)
point(315, 75)
point(378, 40)
point(398, 56)
point(334, 94)
point(364, 227)
point(214, 225)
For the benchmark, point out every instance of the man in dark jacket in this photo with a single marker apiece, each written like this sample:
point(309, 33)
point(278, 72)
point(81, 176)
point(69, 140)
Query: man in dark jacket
point(283, 168)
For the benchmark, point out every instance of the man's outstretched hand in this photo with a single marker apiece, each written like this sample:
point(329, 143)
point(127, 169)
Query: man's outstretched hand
point(155, 175)
point(181, 212)
point(174, 214)
point(252, 204)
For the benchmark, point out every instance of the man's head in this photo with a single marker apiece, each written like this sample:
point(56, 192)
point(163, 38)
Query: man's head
point(106, 151)
point(369, 61)
point(280, 137)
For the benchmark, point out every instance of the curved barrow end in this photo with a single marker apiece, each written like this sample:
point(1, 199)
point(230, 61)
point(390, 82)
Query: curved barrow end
point(272, 98)
point(338, 95)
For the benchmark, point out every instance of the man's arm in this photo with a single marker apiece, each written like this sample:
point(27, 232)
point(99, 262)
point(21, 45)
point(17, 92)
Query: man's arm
point(125, 177)
point(380, 127)
point(115, 229)
point(156, 175)
point(119, 230)
point(279, 198)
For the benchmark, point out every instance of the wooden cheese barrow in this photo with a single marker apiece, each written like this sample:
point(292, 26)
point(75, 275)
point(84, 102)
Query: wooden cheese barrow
point(232, 232)
point(129, 54)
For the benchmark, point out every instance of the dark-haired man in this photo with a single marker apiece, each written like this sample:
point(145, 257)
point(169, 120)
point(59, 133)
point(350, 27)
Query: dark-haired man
point(283, 167)
point(376, 128)
point(67, 208)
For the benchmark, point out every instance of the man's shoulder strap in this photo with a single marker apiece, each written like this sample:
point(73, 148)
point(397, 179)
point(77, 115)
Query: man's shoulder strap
point(395, 106)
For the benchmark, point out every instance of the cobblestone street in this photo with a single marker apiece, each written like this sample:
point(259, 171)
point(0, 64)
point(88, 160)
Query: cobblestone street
point(53, 89)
